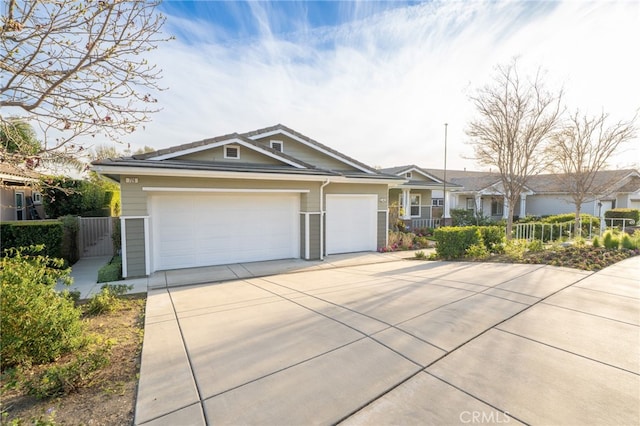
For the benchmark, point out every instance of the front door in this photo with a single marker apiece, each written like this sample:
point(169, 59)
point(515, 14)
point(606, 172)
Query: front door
point(19, 205)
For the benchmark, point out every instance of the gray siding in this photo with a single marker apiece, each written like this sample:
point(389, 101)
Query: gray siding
point(247, 155)
point(135, 248)
point(134, 200)
point(302, 235)
point(307, 154)
point(314, 237)
point(382, 229)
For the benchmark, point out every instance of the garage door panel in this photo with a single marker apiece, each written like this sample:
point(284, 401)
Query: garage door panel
point(213, 229)
point(351, 223)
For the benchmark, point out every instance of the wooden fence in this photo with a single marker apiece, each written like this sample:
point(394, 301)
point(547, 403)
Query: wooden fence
point(94, 236)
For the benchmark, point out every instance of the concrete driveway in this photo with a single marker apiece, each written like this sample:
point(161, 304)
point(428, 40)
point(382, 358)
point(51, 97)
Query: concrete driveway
point(400, 342)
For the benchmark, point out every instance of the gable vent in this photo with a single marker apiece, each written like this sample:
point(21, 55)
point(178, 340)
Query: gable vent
point(277, 145)
point(232, 151)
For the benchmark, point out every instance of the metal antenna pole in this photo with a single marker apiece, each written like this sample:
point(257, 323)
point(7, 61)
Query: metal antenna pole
point(444, 188)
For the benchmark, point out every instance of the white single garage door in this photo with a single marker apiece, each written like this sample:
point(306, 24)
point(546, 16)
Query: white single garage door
point(195, 229)
point(351, 223)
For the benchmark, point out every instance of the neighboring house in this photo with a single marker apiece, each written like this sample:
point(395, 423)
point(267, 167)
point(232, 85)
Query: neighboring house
point(545, 194)
point(18, 199)
point(414, 198)
point(268, 194)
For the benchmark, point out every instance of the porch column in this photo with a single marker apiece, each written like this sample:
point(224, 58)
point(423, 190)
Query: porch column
point(505, 208)
point(523, 205)
point(406, 203)
point(446, 213)
point(479, 207)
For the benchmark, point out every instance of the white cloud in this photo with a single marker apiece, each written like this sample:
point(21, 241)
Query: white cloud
point(380, 89)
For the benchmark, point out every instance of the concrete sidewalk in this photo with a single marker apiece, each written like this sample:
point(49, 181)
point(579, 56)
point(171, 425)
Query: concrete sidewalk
point(393, 342)
point(85, 278)
point(85, 271)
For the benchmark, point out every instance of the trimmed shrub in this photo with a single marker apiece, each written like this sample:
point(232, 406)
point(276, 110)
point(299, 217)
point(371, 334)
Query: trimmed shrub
point(69, 249)
point(38, 324)
point(108, 300)
point(48, 233)
point(112, 271)
point(116, 236)
point(463, 217)
point(477, 252)
point(596, 242)
point(628, 243)
point(453, 242)
point(420, 255)
point(493, 237)
point(515, 249)
point(610, 241)
point(535, 246)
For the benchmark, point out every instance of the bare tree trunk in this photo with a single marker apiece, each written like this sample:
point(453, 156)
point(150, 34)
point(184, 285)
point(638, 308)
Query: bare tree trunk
point(510, 211)
point(578, 231)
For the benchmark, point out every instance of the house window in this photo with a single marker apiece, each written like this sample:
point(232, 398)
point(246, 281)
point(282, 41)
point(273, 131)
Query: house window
point(471, 205)
point(277, 145)
point(437, 202)
point(408, 175)
point(20, 206)
point(37, 198)
point(497, 207)
point(415, 205)
point(232, 151)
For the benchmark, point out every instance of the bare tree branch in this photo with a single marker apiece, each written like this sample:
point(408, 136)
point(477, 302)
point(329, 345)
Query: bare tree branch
point(581, 149)
point(514, 121)
point(76, 69)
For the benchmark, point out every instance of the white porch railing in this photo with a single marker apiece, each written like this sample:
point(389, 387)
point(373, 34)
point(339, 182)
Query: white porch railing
point(424, 223)
point(549, 231)
point(618, 222)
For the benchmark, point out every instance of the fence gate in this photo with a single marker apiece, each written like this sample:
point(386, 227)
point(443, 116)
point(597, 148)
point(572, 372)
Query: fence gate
point(94, 236)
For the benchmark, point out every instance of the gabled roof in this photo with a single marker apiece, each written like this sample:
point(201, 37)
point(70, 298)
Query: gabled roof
point(606, 181)
point(282, 129)
point(235, 138)
point(626, 180)
point(13, 174)
point(170, 159)
point(470, 181)
point(402, 170)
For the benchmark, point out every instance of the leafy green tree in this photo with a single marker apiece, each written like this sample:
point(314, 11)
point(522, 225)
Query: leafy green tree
point(64, 196)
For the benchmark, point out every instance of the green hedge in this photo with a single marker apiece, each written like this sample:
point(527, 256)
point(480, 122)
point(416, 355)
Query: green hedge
point(570, 217)
point(492, 236)
point(623, 214)
point(452, 242)
point(33, 232)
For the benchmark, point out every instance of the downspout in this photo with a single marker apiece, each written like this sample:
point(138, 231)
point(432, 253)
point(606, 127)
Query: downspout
point(322, 212)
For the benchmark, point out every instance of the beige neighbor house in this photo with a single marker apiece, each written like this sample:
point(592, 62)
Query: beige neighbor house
point(18, 199)
point(268, 194)
point(545, 194)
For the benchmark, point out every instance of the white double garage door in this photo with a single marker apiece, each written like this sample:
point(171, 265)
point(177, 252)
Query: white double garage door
point(203, 229)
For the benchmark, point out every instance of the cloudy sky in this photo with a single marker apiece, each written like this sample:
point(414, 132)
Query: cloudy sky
point(378, 80)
